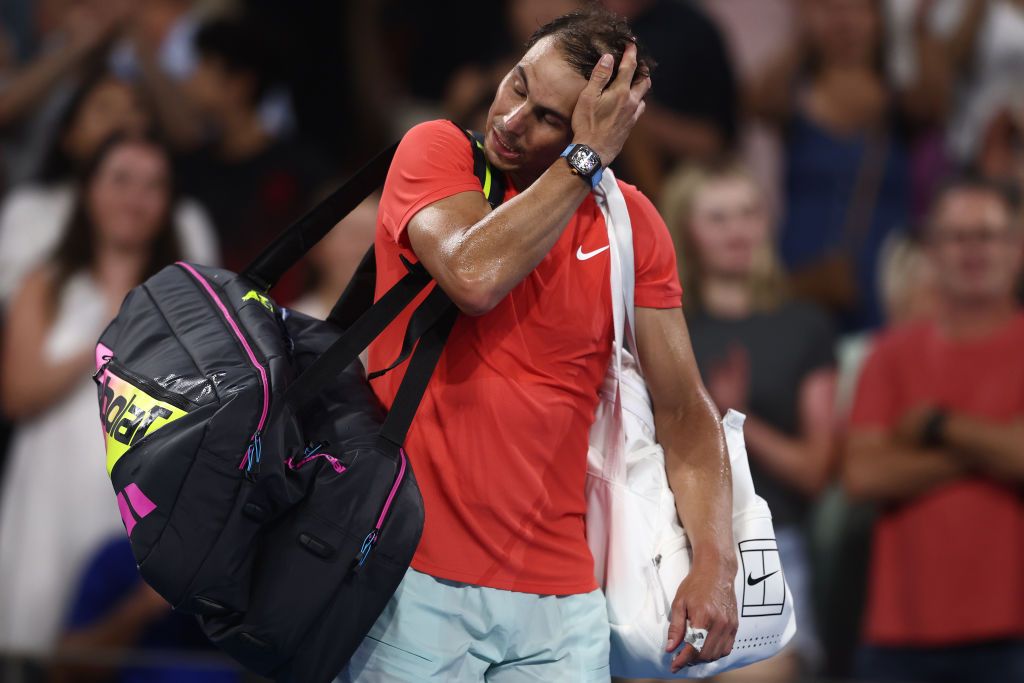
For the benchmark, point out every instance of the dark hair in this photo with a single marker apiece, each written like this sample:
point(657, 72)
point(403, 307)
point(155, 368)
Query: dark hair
point(242, 49)
point(971, 180)
point(57, 166)
point(76, 250)
point(586, 34)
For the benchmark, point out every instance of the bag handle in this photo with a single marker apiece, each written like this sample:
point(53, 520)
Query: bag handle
point(297, 239)
point(349, 345)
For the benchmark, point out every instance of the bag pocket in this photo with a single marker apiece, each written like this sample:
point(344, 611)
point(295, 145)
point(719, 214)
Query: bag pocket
point(665, 572)
point(133, 407)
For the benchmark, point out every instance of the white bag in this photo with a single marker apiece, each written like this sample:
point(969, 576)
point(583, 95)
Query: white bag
point(641, 553)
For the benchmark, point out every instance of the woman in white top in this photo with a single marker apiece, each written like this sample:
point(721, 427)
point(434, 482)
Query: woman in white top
point(56, 503)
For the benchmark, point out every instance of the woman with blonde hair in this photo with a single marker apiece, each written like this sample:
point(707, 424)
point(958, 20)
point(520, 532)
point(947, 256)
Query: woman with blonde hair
point(763, 354)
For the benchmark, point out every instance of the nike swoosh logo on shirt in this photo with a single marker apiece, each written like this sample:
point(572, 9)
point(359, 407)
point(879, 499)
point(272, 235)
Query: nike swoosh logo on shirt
point(751, 581)
point(584, 255)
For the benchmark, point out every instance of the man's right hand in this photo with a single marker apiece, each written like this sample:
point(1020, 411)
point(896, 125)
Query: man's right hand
point(605, 114)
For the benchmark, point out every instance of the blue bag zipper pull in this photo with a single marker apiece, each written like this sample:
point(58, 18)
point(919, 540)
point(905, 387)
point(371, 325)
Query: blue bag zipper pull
point(364, 551)
point(252, 456)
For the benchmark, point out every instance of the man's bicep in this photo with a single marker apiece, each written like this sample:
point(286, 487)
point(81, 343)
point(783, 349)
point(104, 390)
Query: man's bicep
point(666, 355)
point(434, 232)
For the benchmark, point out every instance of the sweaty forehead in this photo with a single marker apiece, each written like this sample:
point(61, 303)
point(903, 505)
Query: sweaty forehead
point(552, 82)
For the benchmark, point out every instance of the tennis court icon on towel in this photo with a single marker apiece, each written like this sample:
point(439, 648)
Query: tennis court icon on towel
point(764, 589)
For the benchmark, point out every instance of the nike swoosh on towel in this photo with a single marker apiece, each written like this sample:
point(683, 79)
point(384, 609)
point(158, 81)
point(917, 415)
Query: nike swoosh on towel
point(751, 581)
point(583, 256)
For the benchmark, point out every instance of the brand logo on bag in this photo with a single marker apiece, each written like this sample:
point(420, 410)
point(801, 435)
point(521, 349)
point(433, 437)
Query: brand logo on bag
point(751, 581)
point(128, 414)
point(253, 294)
point(764, 592)
point(134, 506)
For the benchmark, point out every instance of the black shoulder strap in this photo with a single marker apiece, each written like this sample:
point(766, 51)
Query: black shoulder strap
point(492, 184)
point(492, 181)
point(363, 320)
point(358, 295)
point(421, 367)
point(298, 238)
point(357, 337)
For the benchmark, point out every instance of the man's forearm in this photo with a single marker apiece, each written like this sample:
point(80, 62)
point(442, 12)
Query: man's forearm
point(697, 465)
point(478, 266)
point(997, 449)
point(877, 468)
point(496, 253)
point(795, 460)
point(27, 88)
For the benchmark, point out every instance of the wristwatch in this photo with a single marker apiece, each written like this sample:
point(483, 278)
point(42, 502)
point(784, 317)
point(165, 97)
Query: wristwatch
point(584, 162)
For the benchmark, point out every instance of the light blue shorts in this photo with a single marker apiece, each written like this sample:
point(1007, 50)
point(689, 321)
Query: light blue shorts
point(439, 630)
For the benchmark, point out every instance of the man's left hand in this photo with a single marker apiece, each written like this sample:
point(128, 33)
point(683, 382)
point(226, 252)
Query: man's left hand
point(707, 599)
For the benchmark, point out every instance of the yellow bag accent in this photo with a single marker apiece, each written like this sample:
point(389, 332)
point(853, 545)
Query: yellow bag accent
point(253, 294)
point(129, 414)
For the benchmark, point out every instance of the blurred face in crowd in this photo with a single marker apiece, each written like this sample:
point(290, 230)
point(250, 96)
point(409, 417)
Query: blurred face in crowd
point(111, 106)
point(129, 196)
point(976, 247)
point(728, 227)
point(529, 122)
point(842, 32)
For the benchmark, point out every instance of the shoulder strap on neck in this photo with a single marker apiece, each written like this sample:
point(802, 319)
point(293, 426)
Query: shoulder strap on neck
point(492, 181)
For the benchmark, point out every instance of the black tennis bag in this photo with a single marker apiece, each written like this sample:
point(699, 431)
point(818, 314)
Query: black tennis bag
point(262, 485)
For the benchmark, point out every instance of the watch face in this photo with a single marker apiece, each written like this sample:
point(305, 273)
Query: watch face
point(585, 160)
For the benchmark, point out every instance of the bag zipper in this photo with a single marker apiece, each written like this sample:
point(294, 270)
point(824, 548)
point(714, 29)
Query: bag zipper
point(374, 536)
point(145, 384)
point(313, 452)
point(662, 604)
point(254, 449)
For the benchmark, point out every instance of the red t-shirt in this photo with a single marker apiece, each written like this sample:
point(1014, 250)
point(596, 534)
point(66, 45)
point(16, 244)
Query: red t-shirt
point(947, 567)
point(499, 444)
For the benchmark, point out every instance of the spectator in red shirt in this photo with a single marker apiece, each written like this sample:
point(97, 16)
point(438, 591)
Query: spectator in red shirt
point(937, 438)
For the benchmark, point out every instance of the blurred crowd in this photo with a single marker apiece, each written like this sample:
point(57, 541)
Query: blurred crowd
point(842, 180)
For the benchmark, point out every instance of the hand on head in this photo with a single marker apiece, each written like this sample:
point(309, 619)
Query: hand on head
point(607, 109)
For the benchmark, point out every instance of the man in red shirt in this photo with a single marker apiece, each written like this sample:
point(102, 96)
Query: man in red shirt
point(502, 585)
point(937, 437)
